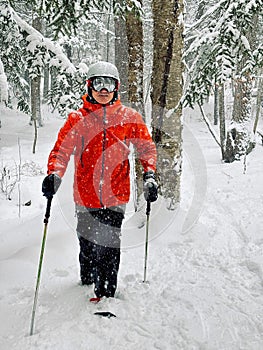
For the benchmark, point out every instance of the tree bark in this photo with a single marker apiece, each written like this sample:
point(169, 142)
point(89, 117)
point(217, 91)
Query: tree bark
point(258, 104)
point(239, 141)
point(46, 84)
point(35, 108)
point(121, 56)
point(222, 118)
point(36, 117)
point(167, 89)
point(216, 104)
point(134, 30)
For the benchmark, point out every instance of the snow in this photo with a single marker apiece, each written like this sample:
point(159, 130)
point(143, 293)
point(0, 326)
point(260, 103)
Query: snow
point(245, 42)
point(205, 262)
point(37, 40)
point(3, 84)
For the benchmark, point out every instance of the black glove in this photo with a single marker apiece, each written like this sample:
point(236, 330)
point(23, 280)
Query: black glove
point(50, 185)
point(150, 186)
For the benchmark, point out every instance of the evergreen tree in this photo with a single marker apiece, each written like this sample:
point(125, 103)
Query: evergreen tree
point(221, 48)
point(25, 52)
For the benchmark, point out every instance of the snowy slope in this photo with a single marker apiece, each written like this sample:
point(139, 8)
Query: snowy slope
point(205, 266)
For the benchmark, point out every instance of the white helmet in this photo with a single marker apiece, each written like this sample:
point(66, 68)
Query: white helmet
point(103, 69)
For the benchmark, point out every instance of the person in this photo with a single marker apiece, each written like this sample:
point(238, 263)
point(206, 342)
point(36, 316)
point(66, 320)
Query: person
point(99, 135)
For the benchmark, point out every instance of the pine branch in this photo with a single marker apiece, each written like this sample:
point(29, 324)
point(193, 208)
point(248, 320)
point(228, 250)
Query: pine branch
point(220, 41)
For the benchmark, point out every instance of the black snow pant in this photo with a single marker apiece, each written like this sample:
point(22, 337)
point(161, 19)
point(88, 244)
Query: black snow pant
point(99, 239)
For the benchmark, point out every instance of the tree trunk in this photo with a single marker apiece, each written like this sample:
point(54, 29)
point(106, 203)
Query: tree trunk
point(259, 103)
point(216, 104)
point(36, 118)
point(108, 25)
point(35, 108)
point(167, 89)
point(134, 30)
point(239, 141)
point(46, 84)
point(222, 118)
point(121, 56)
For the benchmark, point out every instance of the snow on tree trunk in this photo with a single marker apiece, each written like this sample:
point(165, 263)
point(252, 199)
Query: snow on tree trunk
point(240, 140)
point(167, 89)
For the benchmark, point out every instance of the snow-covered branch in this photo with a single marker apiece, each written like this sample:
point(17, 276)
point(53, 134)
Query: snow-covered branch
point(37, 40)
point(218, 42)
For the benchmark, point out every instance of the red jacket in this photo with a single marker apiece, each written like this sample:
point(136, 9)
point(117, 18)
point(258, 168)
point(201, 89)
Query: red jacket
point(99, 137)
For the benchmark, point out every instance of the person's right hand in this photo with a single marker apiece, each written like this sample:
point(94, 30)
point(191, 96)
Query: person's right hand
point(50, 185)
point(150, 187)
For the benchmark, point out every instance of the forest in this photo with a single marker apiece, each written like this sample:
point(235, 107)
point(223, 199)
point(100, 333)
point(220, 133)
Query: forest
point(170, 54)
point(194, 70)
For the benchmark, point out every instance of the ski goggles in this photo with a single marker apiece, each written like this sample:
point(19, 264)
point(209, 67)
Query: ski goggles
point(108, 83)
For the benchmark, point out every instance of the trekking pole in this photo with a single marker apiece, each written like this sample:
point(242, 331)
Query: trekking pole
point(47, 215)
point(148, 209)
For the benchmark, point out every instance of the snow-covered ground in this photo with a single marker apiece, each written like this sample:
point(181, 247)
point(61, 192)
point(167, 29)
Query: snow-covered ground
point(205, 263)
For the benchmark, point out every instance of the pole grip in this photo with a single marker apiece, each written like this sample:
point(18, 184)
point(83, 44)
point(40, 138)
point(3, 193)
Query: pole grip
point(148, 208)
point(47, 214)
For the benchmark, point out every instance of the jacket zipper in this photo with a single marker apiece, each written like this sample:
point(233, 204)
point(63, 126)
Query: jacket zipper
point(82, 150)
point(103, 155)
